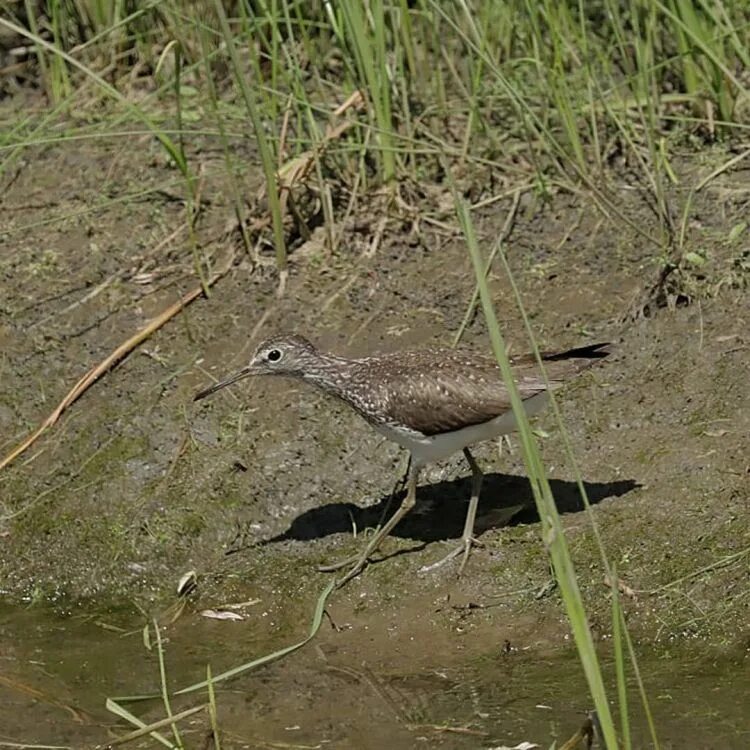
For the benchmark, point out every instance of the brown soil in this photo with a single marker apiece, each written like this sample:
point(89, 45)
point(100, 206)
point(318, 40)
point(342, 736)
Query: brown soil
point(136, 485)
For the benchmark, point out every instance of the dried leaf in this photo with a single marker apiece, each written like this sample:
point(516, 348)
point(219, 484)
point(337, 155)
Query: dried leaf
point(187, 583)
point(221, 614)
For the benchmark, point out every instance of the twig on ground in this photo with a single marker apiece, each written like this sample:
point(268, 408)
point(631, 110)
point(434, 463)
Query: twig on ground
point(113, 359)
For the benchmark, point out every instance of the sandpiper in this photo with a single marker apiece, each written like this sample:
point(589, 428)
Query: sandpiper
point(433, 402)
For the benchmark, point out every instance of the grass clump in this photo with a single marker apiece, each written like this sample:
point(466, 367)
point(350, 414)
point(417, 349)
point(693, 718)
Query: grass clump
point(565, 83)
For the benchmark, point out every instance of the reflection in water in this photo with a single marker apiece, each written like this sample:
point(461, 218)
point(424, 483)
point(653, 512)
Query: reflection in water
point(55, 675)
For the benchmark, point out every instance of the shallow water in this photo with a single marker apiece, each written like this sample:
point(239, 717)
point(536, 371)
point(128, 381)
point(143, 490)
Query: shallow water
point(57, 671)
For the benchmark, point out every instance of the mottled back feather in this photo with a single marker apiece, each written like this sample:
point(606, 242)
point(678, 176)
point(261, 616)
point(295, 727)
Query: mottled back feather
point(439, 391)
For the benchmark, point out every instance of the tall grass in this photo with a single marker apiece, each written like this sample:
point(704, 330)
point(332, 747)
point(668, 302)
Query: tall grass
point(263, 141)
point(562, 80)
point(365, 34)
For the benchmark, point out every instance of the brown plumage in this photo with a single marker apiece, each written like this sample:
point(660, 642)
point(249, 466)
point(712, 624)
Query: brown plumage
point(441, 390)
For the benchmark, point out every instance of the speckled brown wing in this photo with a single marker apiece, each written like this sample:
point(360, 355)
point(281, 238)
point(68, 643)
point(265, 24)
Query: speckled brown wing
point(441, 391)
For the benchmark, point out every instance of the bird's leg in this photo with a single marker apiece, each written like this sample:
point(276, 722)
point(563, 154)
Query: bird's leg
point(467, 538)
point(400, 484)
point(397, 489)
point(406, 505)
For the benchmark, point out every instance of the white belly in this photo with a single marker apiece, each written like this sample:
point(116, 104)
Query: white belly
point(425, 449)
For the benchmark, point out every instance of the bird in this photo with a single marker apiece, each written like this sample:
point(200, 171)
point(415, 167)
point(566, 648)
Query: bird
point(433, 402)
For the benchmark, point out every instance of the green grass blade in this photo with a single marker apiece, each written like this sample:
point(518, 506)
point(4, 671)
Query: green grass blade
point(264, 147)
point(552, 530)
point(212, 712)
point(163, 683)
point(317, 619)
point(114, 707)
point(619, 654)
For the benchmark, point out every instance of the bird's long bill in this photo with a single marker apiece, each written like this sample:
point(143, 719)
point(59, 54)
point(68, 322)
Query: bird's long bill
point(243, 373)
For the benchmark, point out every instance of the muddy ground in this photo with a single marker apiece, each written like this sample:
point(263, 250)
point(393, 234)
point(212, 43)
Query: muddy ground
point(136, 485)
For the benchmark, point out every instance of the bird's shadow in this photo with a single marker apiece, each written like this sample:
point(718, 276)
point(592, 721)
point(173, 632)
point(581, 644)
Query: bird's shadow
point(441, 508)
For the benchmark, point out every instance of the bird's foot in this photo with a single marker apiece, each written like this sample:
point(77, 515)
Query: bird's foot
point(353, 572)
point(357, 563)
point(464, 548)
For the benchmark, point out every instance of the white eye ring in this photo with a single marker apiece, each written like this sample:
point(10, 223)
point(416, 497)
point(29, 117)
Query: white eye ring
point(274, 355)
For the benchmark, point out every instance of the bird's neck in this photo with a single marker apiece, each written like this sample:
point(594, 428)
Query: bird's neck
point(330, 373)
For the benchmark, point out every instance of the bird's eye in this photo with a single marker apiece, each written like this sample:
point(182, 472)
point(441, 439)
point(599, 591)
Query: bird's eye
point(274, 355)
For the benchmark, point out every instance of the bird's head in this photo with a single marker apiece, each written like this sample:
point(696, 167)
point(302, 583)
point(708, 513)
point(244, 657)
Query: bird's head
point(287, 354)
